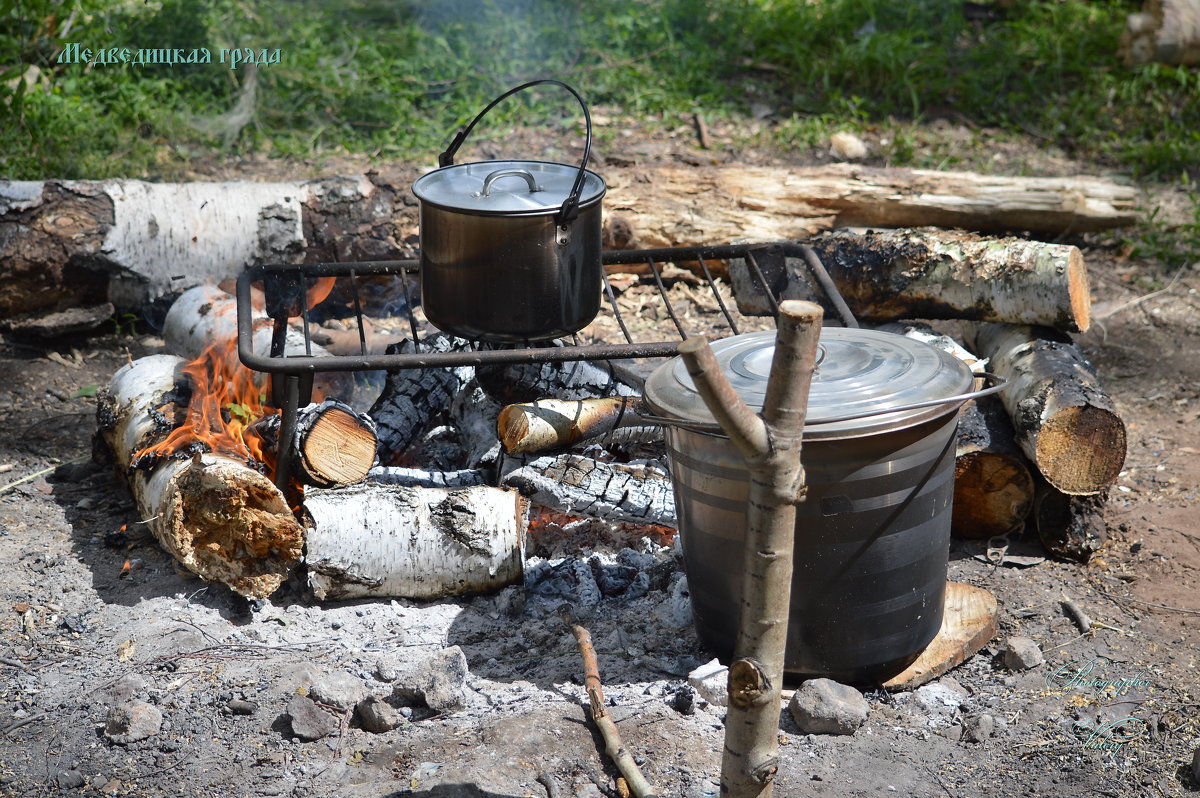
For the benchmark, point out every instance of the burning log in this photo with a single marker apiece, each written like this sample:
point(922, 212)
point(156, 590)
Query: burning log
point(993, 489)
point(638, 493)
point(411, 398)
point(552, 424)
point(420, 478)
point(473, 413)
point(580, 379)
point(1070, 527)
point(336, 446)
point(1165, 31)
point(1064, 421)
point(216, 515)
point(206, 316)
point(927, 274)
point(387, 540)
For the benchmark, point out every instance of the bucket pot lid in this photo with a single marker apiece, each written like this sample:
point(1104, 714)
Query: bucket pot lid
point(860, 373)
point(461, 187)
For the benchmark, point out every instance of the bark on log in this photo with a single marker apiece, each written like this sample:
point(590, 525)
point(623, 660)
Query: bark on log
point(1064, 421)
point(421, 478)
point(638, 493)
point(69, 243)
point(335, 445)
point(1165, 31)
point(581, 379)
point(205, 316)
point(993, 489)
point(552, 424)
point(473, 414)
point(929, 274)
point(215, 515)
point(387, 540)
point(412, 398)
point(1070, 527)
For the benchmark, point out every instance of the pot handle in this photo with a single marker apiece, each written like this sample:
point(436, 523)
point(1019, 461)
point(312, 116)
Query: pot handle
point(570, 206)
point(486, 191)
point(998, 384)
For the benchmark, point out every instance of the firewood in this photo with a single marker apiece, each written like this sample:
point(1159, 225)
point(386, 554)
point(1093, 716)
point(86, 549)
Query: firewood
point(1164, 31)
point(217, 516)
point(1070, 527)
point(69, 243)
point(421, 478)
point(205, 316)
point(581, 379)
point(412, 398)
point(473, 414)
point(552, 424)
point(638, 493)
point(929, 274)
point(1064, 421)
point(388, 540)
point(993, 489)
point(336, 446)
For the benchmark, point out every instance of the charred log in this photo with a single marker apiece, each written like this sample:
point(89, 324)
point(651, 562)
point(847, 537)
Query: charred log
point(571, 483)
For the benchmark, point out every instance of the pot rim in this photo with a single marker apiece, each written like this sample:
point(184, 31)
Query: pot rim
point(420, 188)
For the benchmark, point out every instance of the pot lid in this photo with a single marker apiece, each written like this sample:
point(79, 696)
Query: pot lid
point(506, 187)
point(862, 373)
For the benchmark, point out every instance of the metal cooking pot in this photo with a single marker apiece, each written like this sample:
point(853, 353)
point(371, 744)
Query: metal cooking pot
point(873, 534)
point(510, 250)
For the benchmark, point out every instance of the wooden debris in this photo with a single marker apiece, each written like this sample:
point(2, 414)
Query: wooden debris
point(552, 424)
point(613, 746)
point(969, 623)
point(217, 516)
point(580, 379)
point(420, 478)
point(993, 489)
point(1070, 527)
point(933, 274)
point(1077, 615)
point(388, 540)
point(1064, 421)
point(63, 322)
point(336, 446)
point(637, 493)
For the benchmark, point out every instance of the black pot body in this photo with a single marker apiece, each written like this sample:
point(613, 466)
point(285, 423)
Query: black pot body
point(510, 278)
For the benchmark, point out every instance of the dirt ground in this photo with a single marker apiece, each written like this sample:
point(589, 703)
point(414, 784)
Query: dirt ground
point(93, 615)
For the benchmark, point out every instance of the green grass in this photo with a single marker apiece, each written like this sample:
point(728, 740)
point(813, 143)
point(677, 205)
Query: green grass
point(393, 79)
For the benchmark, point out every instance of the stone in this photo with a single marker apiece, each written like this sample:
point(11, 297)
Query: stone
point(683, 700)
point(240, 706)
point(69, 779)
point(339, 689)
point(939, 699)
point(847, 146)
point(376, 715)
point(440, 682)
point(711, 681)
point(130, 723)
point(386, 671)
point(1021, 654)
point(309, 721)
point(823, 706)
point(979, 728)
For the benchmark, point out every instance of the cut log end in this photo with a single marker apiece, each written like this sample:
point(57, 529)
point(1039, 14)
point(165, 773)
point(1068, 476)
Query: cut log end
point(1078, 291)
point(232, 528)
point(992, 493)
point(339, 449)
point(1075, 469)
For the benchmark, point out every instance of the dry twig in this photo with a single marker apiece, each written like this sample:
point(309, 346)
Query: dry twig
point(604, 722)
point(1077, 615)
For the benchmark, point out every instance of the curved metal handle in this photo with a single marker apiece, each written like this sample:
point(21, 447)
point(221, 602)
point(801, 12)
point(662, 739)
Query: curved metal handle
point(570, 206)
point(486, 191)
point(998, 384)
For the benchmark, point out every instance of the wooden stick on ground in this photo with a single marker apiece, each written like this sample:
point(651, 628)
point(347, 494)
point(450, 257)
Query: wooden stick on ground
point(771, 446)
point(604, 722)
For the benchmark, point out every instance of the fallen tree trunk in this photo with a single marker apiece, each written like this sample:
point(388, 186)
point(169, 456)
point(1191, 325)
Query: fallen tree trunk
point(638, 493)
point(1064, 421)
point(929, 274)
point(334, 445)
point(218, 517)
point(993, 489)
point(386, 540)
point(70, 243)
point(1165, 31)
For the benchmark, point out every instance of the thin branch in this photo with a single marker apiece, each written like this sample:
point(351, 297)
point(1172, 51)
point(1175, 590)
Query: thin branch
point(604, 722)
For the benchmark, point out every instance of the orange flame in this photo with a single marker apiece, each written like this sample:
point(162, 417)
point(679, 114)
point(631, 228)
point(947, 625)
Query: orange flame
point(319, 291)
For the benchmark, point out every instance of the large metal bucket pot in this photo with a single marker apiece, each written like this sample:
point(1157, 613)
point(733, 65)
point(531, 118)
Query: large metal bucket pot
point(510, 250)
point(873, 533)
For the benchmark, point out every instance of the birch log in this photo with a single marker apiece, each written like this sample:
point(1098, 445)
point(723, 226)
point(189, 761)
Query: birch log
point(638, 493)
point(387, 540)
point(929, 274)
point(551, 424)
point(219, 518)
point(335, 445)
point(1064, 421)
point(1164, 31)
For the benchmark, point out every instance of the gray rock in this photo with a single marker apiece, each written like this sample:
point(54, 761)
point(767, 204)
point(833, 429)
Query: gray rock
point(440, 682)
point(377, 715)
point(339, 689)
point(1021, 654)
point(240, 706)
point(823, 706)
point(980, 728)
point(386, 672)
point(711, 681)
point(69, 779)
point(939, 699)
point(129, 723)
point(125, 690)
point(309, 721)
